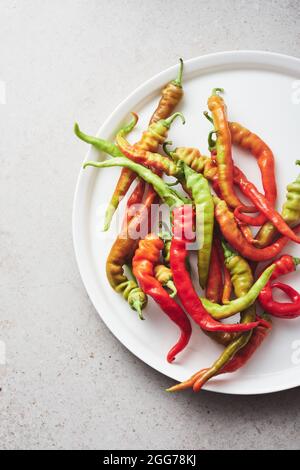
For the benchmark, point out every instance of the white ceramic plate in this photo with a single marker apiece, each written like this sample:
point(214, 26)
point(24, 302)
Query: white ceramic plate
point(263, 93)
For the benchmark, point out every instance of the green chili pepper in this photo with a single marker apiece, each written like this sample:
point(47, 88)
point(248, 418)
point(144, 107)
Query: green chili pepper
point(100, 144)
point(291, 208)
point(167, 194)
point(199, 187)
point(224, 311)
point(114, 151)
point(240, 271)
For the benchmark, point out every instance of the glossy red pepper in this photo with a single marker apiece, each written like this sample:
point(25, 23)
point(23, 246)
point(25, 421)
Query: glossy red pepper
point(284, 265)
point(144, 261)
point(185, 289)
point(250, 190)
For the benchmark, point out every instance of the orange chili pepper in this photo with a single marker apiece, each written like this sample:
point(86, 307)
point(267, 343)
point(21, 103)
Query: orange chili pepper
point(224, 160)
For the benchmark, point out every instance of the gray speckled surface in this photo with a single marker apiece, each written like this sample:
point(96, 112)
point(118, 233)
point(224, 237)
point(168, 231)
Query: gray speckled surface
point(68, 383)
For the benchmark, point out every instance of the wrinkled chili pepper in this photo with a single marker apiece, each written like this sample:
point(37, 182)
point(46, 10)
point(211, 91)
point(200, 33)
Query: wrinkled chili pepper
point(171, 95)
point(249, 141)
point(146, 157)
point(145, 258)
point(284, 265)
point(122, 252)
point(290, 213)
point(164, 276)
point(233, 235)
point(188, 155)
point(224, 160)
point(183, 283)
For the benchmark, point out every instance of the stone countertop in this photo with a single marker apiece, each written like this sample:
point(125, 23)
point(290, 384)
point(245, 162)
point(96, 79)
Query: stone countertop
point(67, 382)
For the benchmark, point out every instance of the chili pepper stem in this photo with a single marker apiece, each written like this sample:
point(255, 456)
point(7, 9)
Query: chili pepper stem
point(296, 261)
point(206, 114)
point(217, 90)
point(178, 80)
point(211, 142)
point(167, 122)
point(136, 305)
point(170, 285)
point(165, 148)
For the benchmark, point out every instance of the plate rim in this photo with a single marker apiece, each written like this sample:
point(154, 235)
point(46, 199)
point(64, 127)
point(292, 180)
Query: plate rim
point(207, 61)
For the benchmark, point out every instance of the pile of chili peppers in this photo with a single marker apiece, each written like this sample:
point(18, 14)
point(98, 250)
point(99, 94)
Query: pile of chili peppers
point(207, 208)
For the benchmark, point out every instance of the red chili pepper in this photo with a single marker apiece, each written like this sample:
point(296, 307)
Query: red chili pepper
point(250, 190)
point(233, 235)
point(185, 289)
point(264, 155)
point(224, 160)
point(244, 354)
point(237, 362)
point(145, 259)
point(284, 265)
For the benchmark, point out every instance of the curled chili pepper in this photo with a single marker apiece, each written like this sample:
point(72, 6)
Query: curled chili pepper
point(145, 259)
point(233, 235)
point(284, 265)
